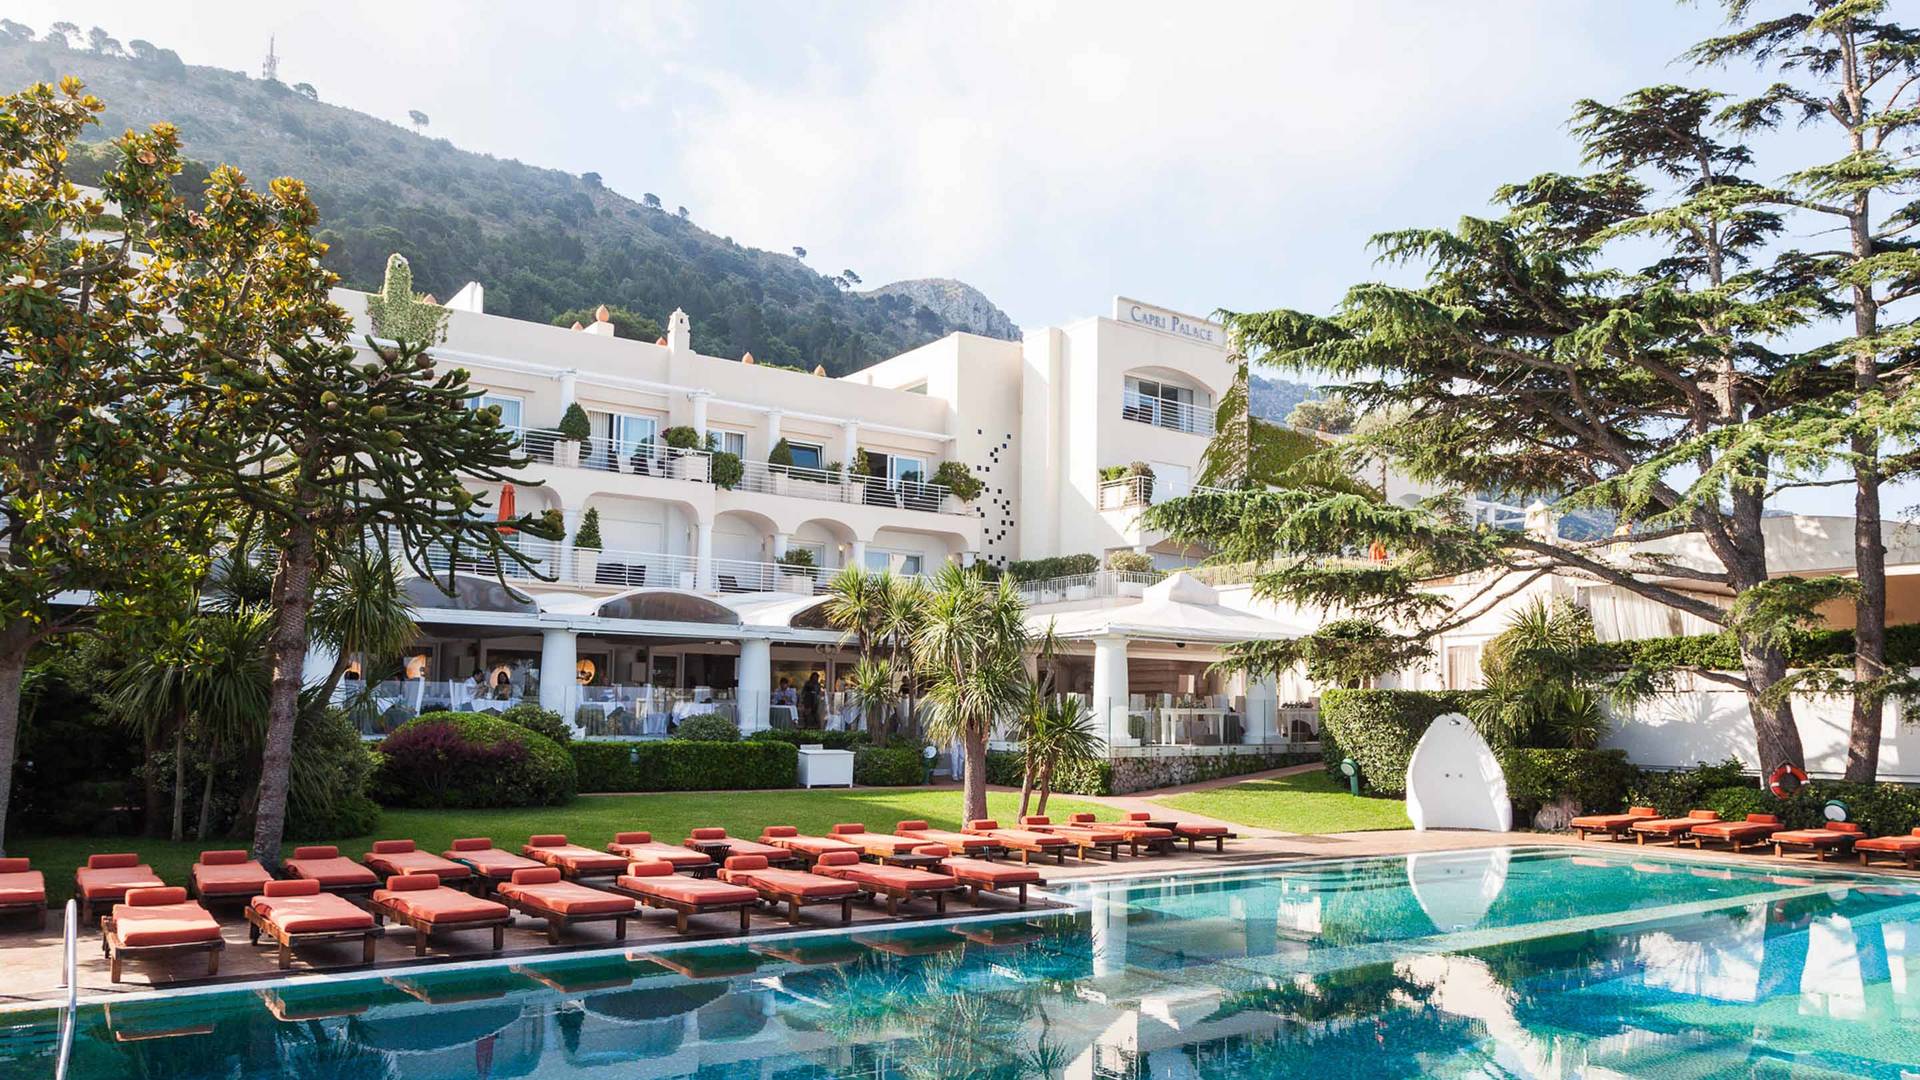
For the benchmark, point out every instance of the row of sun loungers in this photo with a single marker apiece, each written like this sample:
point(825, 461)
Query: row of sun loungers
point(1760, 831)
point(324, 896)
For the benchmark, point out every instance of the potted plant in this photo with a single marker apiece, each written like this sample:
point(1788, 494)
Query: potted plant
point(586, 547)
point(959, 479)
point(797, 571)
point(1141, 491)
point(780, 463)
point(574, 430)
point(682, 464)
point(727, 470)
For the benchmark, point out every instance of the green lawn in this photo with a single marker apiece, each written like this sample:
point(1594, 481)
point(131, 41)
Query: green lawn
point(591, 820)
point(1309, 802)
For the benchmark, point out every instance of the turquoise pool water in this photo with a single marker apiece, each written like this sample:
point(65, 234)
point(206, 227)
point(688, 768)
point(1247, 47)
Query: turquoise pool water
point(1522, 962)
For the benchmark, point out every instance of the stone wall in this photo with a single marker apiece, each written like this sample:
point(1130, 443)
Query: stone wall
point(1169, 768)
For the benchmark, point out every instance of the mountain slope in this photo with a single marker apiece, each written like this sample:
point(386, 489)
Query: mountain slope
point(542, 241)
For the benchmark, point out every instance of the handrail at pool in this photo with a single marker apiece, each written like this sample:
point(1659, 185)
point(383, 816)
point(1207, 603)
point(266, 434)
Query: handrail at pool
point(70, 978)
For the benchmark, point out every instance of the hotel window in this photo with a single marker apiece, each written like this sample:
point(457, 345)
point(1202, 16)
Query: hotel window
point(806, 455)
point(1165, 405)
point(729, 442)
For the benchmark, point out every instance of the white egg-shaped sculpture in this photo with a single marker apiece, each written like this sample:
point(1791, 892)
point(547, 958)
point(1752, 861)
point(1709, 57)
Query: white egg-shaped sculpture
point(1455, 782)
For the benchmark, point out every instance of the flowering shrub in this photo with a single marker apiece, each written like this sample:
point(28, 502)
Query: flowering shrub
point(447, 759)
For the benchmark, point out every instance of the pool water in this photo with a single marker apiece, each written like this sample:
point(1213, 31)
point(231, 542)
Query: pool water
point(1502, 962)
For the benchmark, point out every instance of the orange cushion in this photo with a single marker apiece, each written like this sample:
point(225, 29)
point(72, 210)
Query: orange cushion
point(17, 864)
point(985, 872)
point(1642, 811)
point(847, 827)
point(688, 890)
point(175, 922)
point(312, 913)
point(330, 871)
point(982, 823)
point(575, 858)
point(1139, 815)
point(436, 903)
point(708, 834)
point(23, 886)
point(746, 862)
point(116, 861)
point(778, 831)
point(1036, 819)
point(839, 858)
point(1888, 843)
point(1201, 830)
point(938, 851)
point(564, 897)
point(654, 851)
point(639, 837)
point(802, 884)
point(1704, 815)
point(225, 879)
point(291, 887)
point(392, 847)
point(539, 875)
point(317, 851)
point(410, 861)
point(472, 843)
point(231, 857)
point(909, 826)
point(894, 877)
point(547, 840)
point(113, 882)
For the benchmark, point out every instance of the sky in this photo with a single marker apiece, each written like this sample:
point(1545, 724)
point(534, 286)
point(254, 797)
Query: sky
point(1198, 156)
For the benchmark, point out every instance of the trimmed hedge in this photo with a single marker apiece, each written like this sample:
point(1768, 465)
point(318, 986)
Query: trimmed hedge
point(1003, 768)
point(468, 761)
point(832, 740)
point(888, 766)
point(539, 721)
point(1057, 566)
point(685, 765)
point(1720, 652)
point(708, 727)
point(1596, 780)
point(1379, 729)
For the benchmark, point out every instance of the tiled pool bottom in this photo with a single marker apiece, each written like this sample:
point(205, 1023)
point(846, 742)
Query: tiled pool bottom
point(1501, 962)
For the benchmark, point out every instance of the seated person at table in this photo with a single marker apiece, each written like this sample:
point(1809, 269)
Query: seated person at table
point(785, 694)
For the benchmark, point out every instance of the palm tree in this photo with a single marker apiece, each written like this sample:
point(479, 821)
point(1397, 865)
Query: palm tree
point(872, 688)
point(1542, 681)
point(149, 694)
point(1058, 734)
point(899, 626)
point(855, 602)
point(361, 608)
point(973, 642)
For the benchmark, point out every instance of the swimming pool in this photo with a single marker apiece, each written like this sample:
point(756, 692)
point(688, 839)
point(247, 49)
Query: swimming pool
point(1527, 962)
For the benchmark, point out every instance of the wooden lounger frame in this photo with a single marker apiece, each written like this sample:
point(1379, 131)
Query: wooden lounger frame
point(1820, 851)
point(1219, 842)
point(974, 889)
point(906, 894)
point(1909, 855)
point(423, 929)
point(36, 907)
point(683, 910)
point(258, 924)
point(1614, 831)
point(115, 952)
point(794, 901)
point(557, 923)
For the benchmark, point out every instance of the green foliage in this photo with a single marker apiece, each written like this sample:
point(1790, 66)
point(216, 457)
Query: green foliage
point(588, 538)
point(798, 558)
point(728, 470)
point(1595, 780)
point(960, 480)
point(627, 323)
point(1248, 452)
point(1880, 809)
point(1675, 793)
point(1333, 415)
point(1735, 803)
point(468, 760)
point(1130, 562)
point(334, 778)
point(1052, 567)
point(1380, 728)
point(575, 425)
point(539, 721)
point(781, 454)
point(1542, 679)
point(707, 727)
point(1005, 769)
point(888, 766)
point(681, 437)
point(400, 314)
point(681, 765)
point(832, 740)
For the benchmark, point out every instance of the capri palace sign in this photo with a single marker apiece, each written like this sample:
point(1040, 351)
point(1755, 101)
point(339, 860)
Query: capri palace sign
point(1198, 331)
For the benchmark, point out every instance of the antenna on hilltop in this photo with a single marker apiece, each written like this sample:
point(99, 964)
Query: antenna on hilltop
point(270, 67)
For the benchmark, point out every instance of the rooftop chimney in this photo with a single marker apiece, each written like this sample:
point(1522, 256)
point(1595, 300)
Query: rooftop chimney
point(679, 332)
point(471, 297)
point(602, 322)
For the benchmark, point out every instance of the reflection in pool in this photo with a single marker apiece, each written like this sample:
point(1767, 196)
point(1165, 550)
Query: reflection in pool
point(1501, 962)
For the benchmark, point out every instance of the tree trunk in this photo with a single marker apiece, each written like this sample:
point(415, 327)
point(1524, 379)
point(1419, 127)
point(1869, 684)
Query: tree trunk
point(1776, 736)
point(179, 830)
point(1046, 787)
point(13, 671)
point(150, 782)
point(205, 831)
point(1026, 788)
point(286, 658)
point(974, 787)
point(1869, 619)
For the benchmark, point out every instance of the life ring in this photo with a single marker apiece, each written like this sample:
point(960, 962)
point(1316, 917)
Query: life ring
point(1776, 783)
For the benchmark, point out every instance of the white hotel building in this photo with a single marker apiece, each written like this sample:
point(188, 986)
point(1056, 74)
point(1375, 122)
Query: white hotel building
point(688, 609)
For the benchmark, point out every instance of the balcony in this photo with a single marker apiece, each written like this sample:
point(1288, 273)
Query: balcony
point(627, 569)
point(1127, 493)
point(1164, 413)
point(1099, 585)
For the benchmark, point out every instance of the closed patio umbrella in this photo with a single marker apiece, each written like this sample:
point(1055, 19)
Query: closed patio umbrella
point(506, 506)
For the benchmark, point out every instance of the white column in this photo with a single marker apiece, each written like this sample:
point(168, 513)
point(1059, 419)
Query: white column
point(968, 558)
point(569, 380)
point(849, 441)
point(703, 556)
point(755, 682)
point(318, 664)
point(559, 657)
point(858, 554)
point(773, 428)
point(570, 518)
point(699, 399)
point(780, 541)
point(1110, 689)
point(1263, 699)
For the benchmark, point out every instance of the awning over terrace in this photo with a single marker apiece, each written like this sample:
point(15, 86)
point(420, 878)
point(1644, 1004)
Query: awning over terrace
point(1177, 609)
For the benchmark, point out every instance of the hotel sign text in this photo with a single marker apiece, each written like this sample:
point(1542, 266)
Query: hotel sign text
point(1169, 322)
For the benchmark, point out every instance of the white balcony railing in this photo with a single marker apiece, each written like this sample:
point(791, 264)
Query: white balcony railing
point(1127, 493)
point(1160, 412)
point(1099, 585)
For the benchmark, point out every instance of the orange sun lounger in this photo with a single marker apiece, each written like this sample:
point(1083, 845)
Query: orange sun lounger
point(881, 846)
point(1611, 825)
point(1672, 829)
point(1836, 836)
point(393, 858)
point(232, 876)
point(1736, 834)
point(421, 902)
point(571, 860)
point(1193, 834)
point(898, 884)
point(794, 888)
point(296, 913)
point(159, 922)
point(1085, 837)
point(655, 885)
point(490, 865)
point(541, 894)
point(334, 871)
point(733, 845)
point(107, 878)
point(1152, 837)
point(23, 890)
point(978, 874)
point(1025, 841)
point(970, 843)
point(1905, 848)
point(809, 848)
point(642, 847)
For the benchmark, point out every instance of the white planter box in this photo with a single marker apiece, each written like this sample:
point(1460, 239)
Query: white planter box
point(821, 767)
point(566, 454)
point(686, 581)
point(695, 468)
point(799, 584)
point(586, 564)
point(1131, 588)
